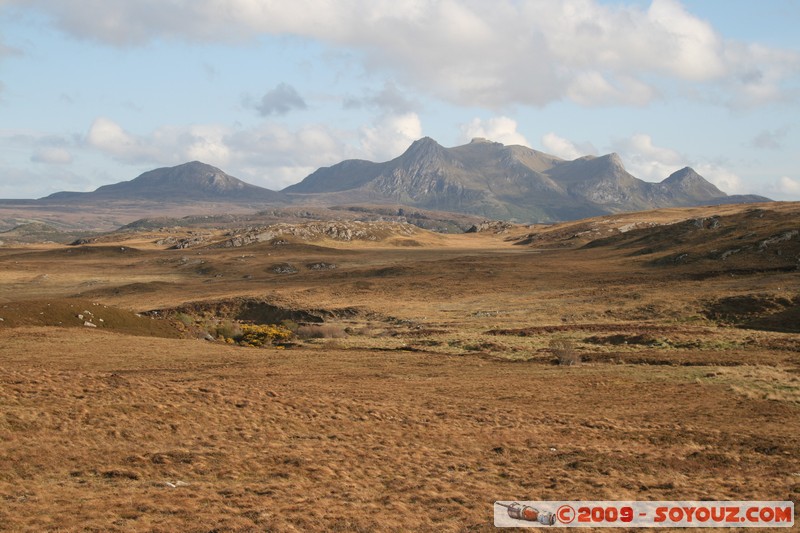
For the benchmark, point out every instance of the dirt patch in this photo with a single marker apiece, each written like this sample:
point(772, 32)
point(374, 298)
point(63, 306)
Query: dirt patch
point(80, 313)
point(255, 311)
point(754, 311)
point(787, 321)
point(130, 289)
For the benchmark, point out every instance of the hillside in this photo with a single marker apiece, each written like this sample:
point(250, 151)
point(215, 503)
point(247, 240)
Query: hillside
point(505, 182)
point(189, 182)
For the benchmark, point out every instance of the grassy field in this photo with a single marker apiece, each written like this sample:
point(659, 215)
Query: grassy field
point(431, 390)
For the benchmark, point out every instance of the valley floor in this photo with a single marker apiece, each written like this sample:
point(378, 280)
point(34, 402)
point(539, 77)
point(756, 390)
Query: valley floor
point(108, 432)
point(433, 391)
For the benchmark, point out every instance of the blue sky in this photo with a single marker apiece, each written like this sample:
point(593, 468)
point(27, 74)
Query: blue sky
point(97, 91)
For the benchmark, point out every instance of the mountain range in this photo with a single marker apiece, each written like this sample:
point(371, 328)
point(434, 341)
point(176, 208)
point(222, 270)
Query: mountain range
point(506, 182)
point(482, 178)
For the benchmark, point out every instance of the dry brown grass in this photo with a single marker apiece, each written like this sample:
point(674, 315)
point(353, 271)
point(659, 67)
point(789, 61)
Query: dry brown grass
point(565, 352)
point(442, 399)
point(325, 331)
point(123, 434)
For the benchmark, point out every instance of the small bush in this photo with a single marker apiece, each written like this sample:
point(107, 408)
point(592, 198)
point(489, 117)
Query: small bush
point(565, 352)
point(261, 335)
point(290, 324)
point(326, 331)
point(227, 330)
point(184, 319)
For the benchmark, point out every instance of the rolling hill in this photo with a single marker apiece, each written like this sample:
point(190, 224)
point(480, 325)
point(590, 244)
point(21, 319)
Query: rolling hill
point(189, 182)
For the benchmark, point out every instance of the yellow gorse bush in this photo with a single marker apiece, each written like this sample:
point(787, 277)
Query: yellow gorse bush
point(261, 335)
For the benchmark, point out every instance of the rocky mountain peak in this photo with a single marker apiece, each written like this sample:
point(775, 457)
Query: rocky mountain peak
point(490, 179)
point(424, 147)
point(686, 174)
point(423, 154)
point(689, 181)
point(192, 174)
point(614, 160)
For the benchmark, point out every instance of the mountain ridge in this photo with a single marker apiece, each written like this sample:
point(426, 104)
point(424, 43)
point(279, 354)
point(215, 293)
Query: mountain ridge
point(506, 182)
point(481, 178)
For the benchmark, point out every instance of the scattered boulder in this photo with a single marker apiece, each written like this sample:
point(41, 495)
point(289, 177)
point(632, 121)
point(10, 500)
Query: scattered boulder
point(493, 226)
point(785, 236)
point(284, 268)
point(321, 266)
point(344, 231)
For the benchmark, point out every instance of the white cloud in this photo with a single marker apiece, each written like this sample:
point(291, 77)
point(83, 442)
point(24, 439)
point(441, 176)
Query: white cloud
point(592, 89)
point(725, 180)
point(647, 161)
point(786, 188)
point(389, 136)
point(491, 54)
point(498, 129)
point(759, 74)
point(165, 145)
point(270, 154)
point(109, 137)
point(205, 143)
point(650, 162)
point(52, 155)
point(783, 188)
point(561, 147)
point(274, 156)
point(788, 185)
point(642, 145)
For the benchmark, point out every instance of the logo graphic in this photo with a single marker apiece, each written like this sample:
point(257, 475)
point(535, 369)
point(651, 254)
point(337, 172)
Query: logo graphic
point(518, 511)
point(649, 514)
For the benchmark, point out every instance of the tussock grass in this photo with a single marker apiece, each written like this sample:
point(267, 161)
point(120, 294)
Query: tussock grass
point(565, 352)
point(324, 331)
point(119, 433)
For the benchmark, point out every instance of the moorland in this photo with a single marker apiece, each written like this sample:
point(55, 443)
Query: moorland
point(351, 375)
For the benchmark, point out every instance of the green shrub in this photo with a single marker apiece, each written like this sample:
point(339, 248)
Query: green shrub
point(184, 319)
point(291, 325)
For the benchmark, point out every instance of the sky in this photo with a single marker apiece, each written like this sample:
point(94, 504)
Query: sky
point(94, 92)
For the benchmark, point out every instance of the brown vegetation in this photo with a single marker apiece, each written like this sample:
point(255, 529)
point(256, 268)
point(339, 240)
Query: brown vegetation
point(441, 397)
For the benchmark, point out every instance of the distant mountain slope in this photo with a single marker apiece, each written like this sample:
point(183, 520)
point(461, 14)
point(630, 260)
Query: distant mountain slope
point(194, 181)
point(481, 178)
point(504, 182)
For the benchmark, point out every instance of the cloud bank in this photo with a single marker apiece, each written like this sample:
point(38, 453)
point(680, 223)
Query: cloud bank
point(472, 52)
point(270, 154)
